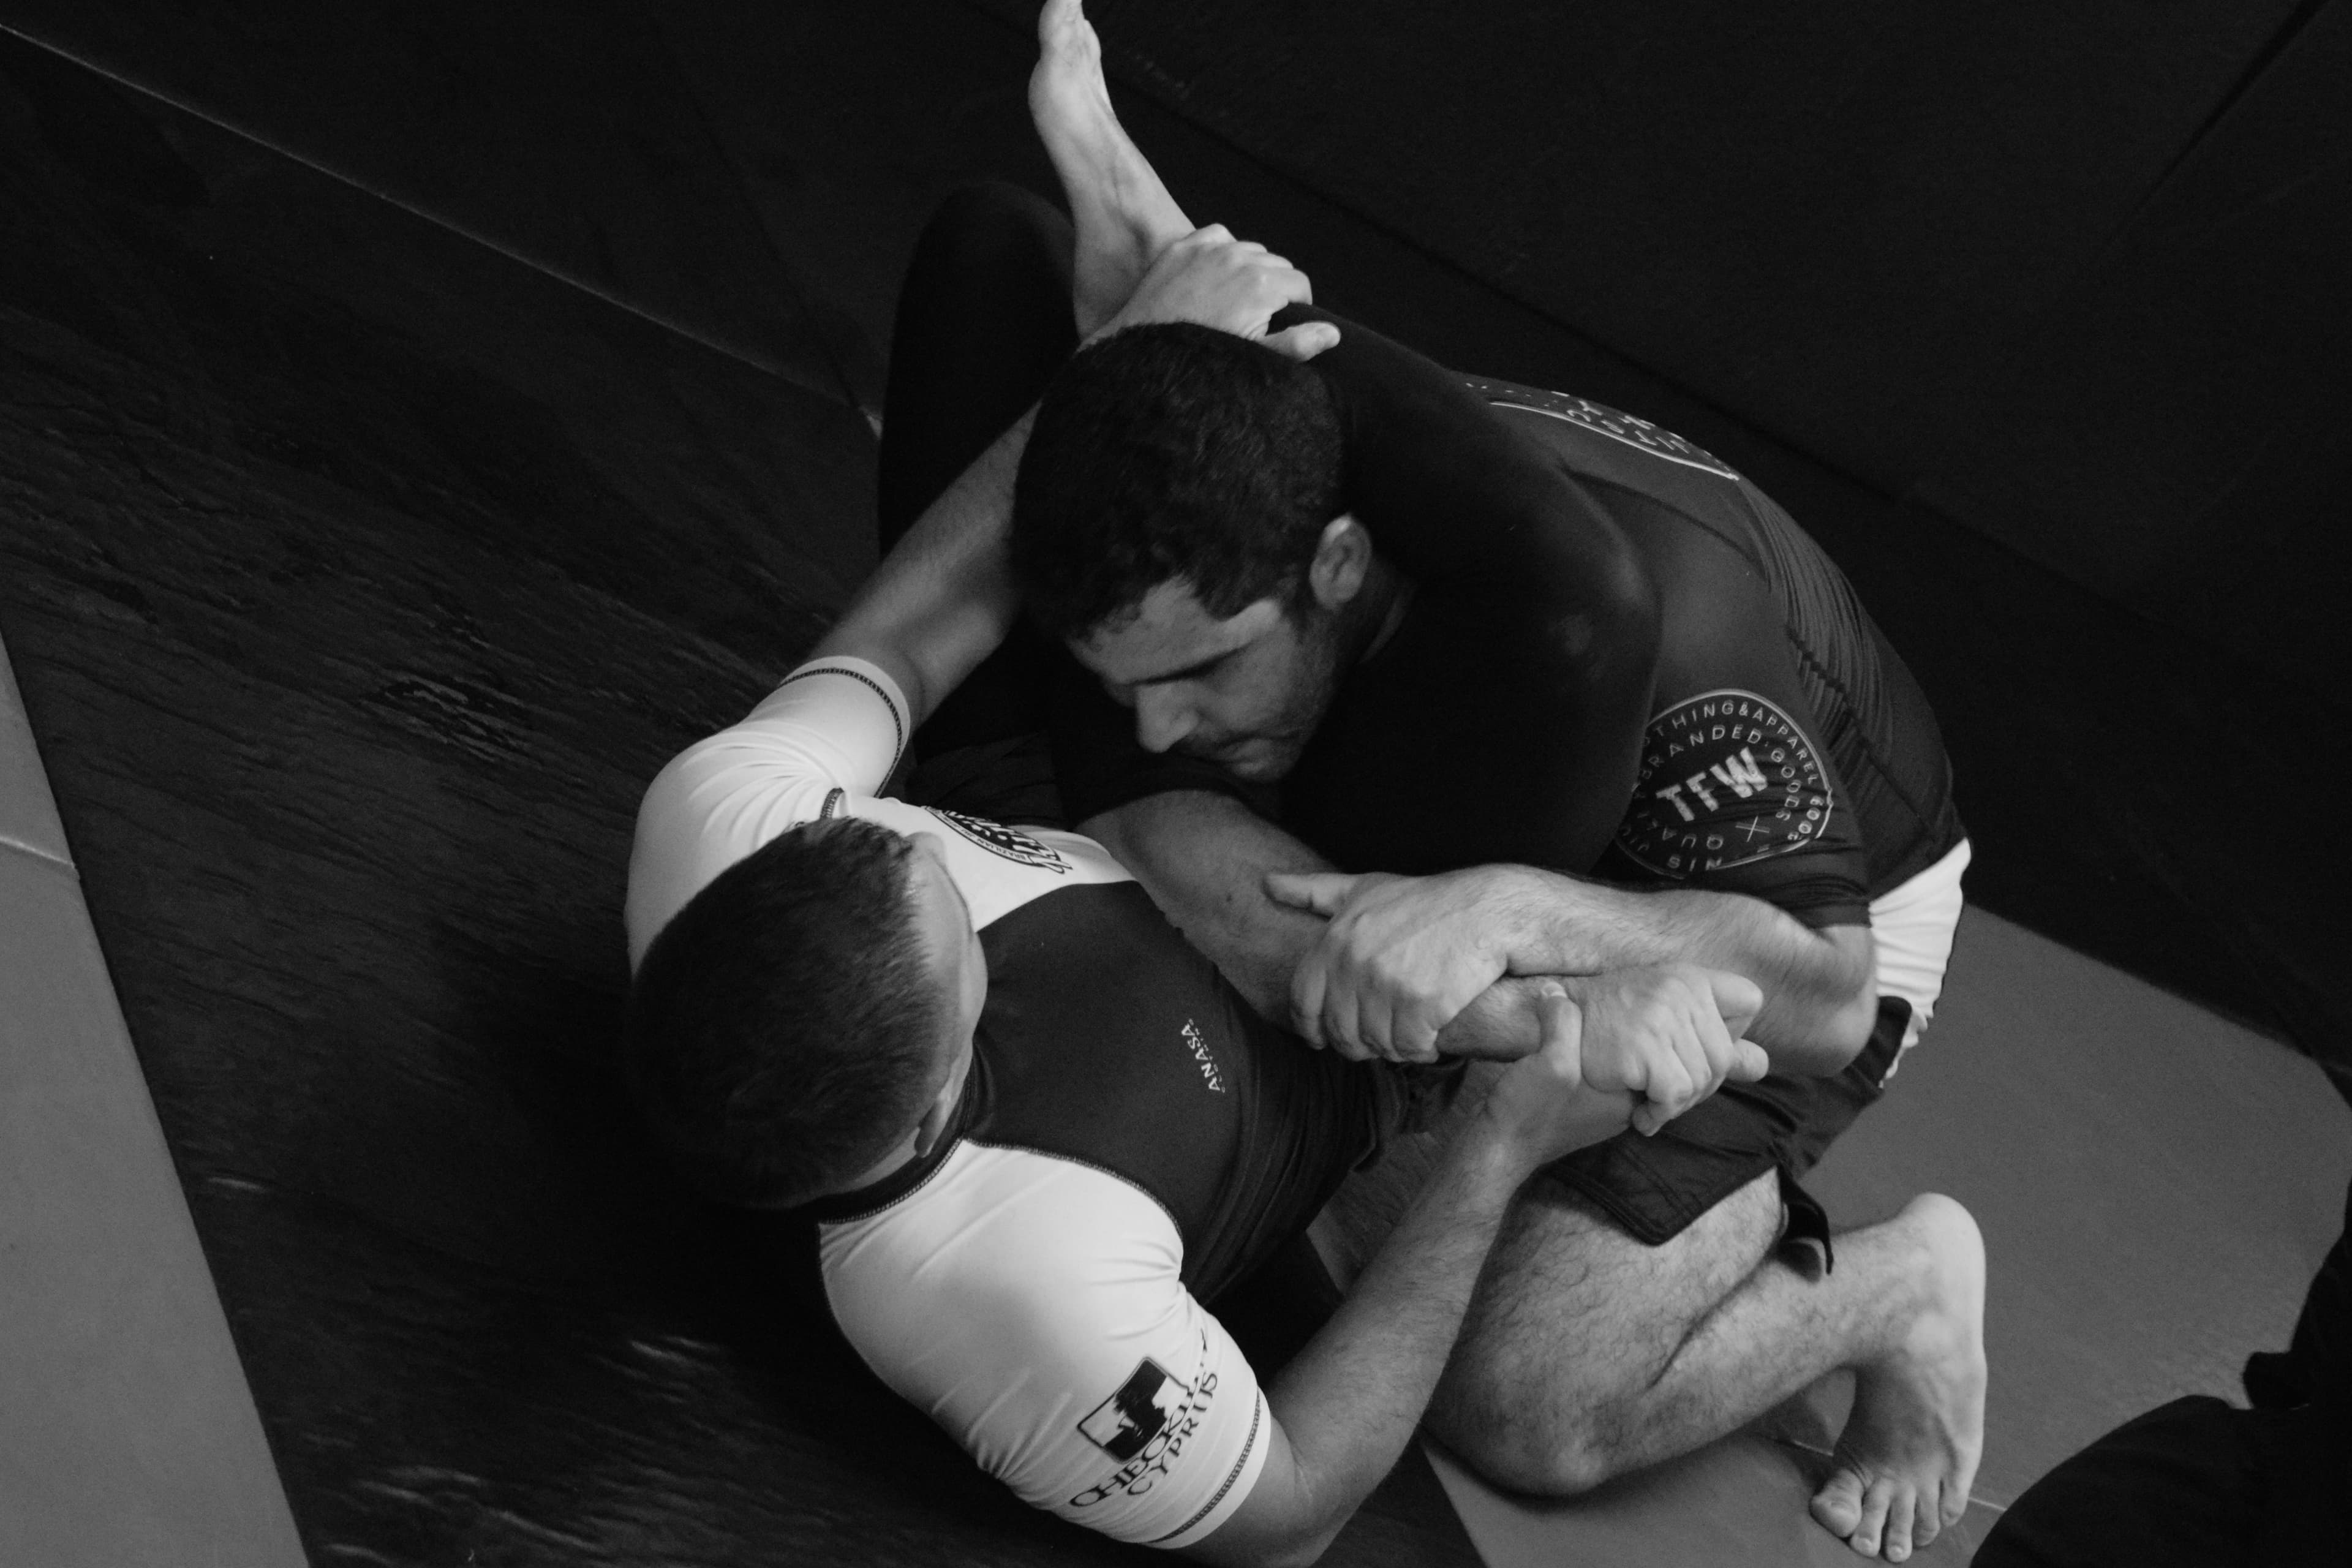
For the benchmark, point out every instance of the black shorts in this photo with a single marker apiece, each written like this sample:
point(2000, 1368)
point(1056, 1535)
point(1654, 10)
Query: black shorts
point(1654, 1187)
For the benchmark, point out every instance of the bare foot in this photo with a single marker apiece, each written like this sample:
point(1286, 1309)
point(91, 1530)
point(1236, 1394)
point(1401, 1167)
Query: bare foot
point(1124, 215)
point(1909, 1451)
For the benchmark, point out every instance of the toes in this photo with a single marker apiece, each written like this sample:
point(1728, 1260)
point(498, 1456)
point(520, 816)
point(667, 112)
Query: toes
point(1928, 1516)
point(1837, 1507)
point(1876, 1499)
point(1896, 1546)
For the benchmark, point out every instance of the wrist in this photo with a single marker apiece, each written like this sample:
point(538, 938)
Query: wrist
point(1536, 916)
point(1498, 1150)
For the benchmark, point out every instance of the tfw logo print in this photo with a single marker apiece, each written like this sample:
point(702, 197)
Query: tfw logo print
point(1727, 778)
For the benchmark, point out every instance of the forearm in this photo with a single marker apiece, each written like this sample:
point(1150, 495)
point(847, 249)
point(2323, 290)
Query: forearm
point(945, 597)
point(1351, 1400)
point(1502, 1023)
point(1203, 857)
point(1820, 991)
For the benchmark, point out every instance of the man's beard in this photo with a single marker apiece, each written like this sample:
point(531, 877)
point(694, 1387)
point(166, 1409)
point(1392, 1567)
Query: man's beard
point(1268, 753)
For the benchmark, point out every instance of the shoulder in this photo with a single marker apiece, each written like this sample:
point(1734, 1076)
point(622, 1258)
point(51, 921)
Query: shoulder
point(1033, 1241)
point(999, 868)
point(1033, 1307)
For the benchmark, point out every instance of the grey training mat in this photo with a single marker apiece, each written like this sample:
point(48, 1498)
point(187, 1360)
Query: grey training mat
point(2157, 1187)
point(127, 1435)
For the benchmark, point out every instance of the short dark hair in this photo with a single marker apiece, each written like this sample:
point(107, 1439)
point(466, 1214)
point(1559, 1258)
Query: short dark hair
point(1174, 451)
point(784, 1028)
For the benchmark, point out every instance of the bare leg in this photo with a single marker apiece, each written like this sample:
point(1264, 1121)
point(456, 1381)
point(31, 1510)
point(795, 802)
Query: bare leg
point(1588, 1354)
point(1123, 214)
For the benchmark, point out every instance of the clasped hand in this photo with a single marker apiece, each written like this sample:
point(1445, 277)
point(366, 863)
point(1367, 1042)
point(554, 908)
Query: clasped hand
point(1211, 279)
point(1403, 955)
point(1547, 1104)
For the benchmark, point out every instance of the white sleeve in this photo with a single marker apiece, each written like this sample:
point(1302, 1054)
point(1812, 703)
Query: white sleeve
point(833, 724)
point(1032, 1306)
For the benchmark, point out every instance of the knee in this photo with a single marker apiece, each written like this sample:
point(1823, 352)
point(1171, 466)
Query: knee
point(1535, 1459)
point(1521, 1434)
point(981, 223)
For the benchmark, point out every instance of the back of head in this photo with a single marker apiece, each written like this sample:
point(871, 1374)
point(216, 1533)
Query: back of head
point(784, 1027)
point(1168, 452)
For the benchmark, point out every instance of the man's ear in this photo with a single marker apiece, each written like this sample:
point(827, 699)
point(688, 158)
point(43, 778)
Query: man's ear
point(1343, 558)
point(939, 1115)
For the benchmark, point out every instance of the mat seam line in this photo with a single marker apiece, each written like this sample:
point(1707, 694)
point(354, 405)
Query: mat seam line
point(171, 100)
point(48, 856)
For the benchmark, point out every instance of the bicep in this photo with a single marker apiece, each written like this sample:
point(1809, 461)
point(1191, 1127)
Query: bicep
point(1044, 1325)
point(835, 725)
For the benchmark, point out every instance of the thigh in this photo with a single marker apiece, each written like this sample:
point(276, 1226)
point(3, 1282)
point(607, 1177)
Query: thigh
point(1571, 1303)
point(984, 321)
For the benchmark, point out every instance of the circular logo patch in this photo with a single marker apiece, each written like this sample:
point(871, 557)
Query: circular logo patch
point(1727, 778)
point(998, 839)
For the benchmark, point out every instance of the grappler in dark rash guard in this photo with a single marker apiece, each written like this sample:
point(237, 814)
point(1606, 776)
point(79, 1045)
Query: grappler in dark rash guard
point(1369, 617)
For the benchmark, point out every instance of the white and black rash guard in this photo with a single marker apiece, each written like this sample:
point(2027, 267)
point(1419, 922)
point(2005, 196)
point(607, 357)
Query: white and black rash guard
point(1132, 1139)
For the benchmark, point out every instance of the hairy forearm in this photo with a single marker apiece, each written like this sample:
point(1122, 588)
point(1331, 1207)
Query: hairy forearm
point(1501, 1023)
point(944, 598)
point(1818, 986)
point(1203, 857)
point(1353, 1397)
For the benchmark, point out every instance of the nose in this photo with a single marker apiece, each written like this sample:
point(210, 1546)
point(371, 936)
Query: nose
point(1162, 718)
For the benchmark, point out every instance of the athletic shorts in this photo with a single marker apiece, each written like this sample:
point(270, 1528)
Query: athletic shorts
point(1654, 1187)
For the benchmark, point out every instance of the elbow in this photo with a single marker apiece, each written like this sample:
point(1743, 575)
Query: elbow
point(1848, 1030)
point(1294, 1548)
point(1837, 1037)
point(1826, 1043)
point(1301, 1553)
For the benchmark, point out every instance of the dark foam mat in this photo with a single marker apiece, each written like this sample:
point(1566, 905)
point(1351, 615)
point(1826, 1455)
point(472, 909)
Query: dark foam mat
point(357, 579)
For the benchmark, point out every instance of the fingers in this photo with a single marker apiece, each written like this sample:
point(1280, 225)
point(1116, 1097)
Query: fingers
point(1669, 1090)
point(1309, 984)
point(1305, 341)
point(1562, 1023)
point(1318, 892)
point(1748, 1062)
point(1738, 1000)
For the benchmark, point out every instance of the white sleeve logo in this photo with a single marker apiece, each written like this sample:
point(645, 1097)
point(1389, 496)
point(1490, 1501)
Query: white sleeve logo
point(1144, 1426)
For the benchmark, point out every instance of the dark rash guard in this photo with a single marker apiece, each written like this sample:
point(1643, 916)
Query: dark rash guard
point(1621, 658)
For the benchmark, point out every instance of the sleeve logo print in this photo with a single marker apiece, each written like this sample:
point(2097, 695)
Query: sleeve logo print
point(1603, 420)
point(1727, 778)
point(998, 839)
point(1144, 1426)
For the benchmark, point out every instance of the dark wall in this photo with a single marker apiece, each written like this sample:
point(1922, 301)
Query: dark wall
point(2069, 273)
